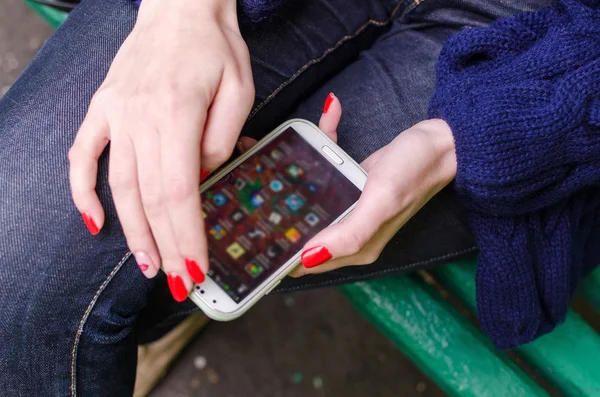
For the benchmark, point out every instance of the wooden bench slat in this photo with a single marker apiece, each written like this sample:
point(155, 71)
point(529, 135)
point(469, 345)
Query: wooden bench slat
point(51, 15)
point(567, 357)
point(591, 289)
point(444, 344)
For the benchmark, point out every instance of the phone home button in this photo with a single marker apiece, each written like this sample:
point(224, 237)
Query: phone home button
point(332, 155)
point(273, 287)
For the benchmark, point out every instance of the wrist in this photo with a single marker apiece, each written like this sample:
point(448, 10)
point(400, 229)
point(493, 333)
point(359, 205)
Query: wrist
point(220, 10)
point(442, 139)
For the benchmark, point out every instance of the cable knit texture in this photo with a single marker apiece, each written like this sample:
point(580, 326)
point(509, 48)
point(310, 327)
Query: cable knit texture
point(523, 100)
point(252, 10)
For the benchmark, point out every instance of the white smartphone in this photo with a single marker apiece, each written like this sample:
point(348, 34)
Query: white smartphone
point(260, 211)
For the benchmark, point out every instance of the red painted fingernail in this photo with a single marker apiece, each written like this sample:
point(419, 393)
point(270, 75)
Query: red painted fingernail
point(194, 271)
point(177, 287)
point(328, 102)
point(315, 256)
point(204, 174)
point(90, 224)
point(145, 264)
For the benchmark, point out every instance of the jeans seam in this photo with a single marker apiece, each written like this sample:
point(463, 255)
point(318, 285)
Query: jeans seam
point(344, 39)
point(83, 320)
point(378, 272)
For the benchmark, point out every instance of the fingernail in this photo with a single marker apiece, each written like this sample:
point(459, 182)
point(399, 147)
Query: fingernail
point(328, 102)
point(315, 256)
point(90, 224)
point(177, 287)
point(194, 270)
point(145, 264)
point(204, 174)
point(240, 147)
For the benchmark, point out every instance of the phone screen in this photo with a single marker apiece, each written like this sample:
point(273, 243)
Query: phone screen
point(263, 212)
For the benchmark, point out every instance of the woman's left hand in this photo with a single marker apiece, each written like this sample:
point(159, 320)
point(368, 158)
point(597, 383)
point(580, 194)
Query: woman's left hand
point(403, 177)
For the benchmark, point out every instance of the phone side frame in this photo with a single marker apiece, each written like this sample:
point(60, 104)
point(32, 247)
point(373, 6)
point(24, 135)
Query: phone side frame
point(358, 177)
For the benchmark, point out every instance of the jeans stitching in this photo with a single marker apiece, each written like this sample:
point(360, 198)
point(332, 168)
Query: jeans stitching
point(370, 22)
point(83, 320)
point(344, 39)
point(378, 272)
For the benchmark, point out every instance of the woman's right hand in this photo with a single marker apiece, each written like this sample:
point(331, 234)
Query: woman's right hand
point(174, 101)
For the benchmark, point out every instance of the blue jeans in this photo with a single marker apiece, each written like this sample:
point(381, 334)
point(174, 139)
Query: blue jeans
point(74, 307)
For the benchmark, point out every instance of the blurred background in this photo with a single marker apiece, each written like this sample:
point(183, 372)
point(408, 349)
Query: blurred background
point(305, 344)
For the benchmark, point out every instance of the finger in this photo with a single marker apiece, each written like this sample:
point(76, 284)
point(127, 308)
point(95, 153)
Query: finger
point(124, 183)
point(370, 161)
point(154, 199)
point(180, 165)
point(331, 116)
point(228, 113)
point(91, 140)
point(352, 235)
point(246, 143)
point(368, 254)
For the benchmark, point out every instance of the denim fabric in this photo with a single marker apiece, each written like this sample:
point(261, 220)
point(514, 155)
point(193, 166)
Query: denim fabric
point(73, 306)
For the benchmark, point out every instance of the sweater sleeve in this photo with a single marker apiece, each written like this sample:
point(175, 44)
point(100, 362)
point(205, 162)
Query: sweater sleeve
point(252, 10)
point(522, 98)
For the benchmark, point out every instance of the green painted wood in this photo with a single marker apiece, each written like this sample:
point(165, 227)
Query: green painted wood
point(51, 15)
point(591, 289)
point(567, 357)
point(445, 345)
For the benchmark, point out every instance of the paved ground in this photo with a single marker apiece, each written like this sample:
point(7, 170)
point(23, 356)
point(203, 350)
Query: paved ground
point(307, 344)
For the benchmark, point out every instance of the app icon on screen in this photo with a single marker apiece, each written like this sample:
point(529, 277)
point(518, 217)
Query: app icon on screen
point(256, 233)
point(294, 202)
point(292, 234)
point(276, 154)
point(237, 216)
point(259, 168)
point(275, 218)
point(242, 288)
point(219, 199)
point(294, 171)
point(311, 219)
point(235, 250)
point(218, 232)
point(273, 251)
point(312, 187)
point(257, 200)
point(276, 185)
point(253, 269)
point(239, 184)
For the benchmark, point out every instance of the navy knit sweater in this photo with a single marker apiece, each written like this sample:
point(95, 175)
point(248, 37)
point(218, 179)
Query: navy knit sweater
point(523, 100)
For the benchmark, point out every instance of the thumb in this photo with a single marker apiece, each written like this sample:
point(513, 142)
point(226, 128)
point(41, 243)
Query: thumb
point(331, 116)
point(350, 236)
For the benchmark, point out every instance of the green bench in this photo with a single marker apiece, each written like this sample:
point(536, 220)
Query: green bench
point(440, 338)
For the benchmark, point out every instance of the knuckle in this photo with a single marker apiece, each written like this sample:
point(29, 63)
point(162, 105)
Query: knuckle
point(74, 154)
point(175, 100)
point(354, 243)
point(179, 191)
point(120, 182)
point(153, 203)
point(216, 153)
point(369, 257)
point(138, 240)
point(100, 98)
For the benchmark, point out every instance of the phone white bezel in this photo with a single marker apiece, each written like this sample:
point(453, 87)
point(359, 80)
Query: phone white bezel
point(214, 301)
